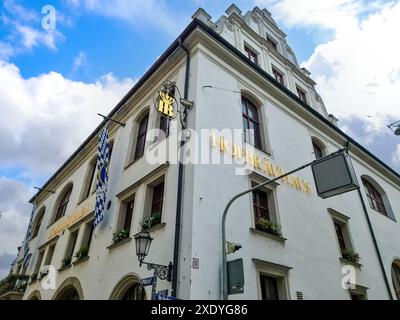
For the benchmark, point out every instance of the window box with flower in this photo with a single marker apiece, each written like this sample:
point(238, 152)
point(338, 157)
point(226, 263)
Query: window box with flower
point(149, 222)
point(120, 235)
point(269, 227)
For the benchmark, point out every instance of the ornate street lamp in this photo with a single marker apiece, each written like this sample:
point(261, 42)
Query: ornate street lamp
point(143, 242)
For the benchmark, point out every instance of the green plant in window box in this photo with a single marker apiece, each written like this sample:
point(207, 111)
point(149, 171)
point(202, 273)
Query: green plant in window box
point(66, 262)
point(151, 221)
point(269, 227)
point(120, 235)
point(351, 256)
point(34, 276)
point(82, 253)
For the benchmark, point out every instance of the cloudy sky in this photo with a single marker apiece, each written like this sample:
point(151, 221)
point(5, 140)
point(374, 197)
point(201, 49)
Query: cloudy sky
point(54, 82)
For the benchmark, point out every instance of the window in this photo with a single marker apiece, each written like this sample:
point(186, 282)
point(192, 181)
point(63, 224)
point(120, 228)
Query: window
point(278, 76)
point(134, 292)
point(164, 125)
point(269, 288)
point(251, 54)
point(128, 215)
point(374, 198)
point(396, 277)
point(342, 233)
point(302, 94)
point(272, 43)
point(317, 150)
point(358, 292)
point(125, 216)
point(251, 123)
point(39, 262)
point(89, 179)
point(62, 206)
point(38, 223)
point(340, 237)
point(356, 296)
point(260, 205)
point(141, 137)
point(70, 248)
point(49, 255)
point(87, 236)
point(157, 200)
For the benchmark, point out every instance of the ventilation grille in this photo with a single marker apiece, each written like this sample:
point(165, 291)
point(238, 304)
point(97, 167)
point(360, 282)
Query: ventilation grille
point(299, 295)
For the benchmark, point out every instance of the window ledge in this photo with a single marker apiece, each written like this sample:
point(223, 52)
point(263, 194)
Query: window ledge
point(64, 268)
point(80, 260)
point(156, 227)
point(131, 163)
point(345, 261)
point(119, 243)
point(268, 235)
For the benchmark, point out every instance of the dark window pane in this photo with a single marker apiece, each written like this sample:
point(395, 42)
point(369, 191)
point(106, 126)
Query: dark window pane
point(250, 122)
point(157, 201)
point(164, 125)
point(260, 204)
point(37, 225)
point(141, 138)
point(63, 205)
point(269, 288)
point(375, 200)
point(339, 234)
point(317, 151)
point(128, 216)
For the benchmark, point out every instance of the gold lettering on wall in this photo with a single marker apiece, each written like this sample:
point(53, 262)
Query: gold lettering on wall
point(265, 166)
point(69, 220)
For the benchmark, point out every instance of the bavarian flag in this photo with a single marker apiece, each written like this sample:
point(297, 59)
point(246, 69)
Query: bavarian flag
point(102, 176)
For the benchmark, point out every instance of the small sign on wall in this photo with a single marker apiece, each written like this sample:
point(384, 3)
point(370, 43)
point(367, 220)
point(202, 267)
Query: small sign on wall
point(195, 263)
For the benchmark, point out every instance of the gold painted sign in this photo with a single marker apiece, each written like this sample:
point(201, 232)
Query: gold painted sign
point(166, 104)
point(68, 221)
point(264, 165)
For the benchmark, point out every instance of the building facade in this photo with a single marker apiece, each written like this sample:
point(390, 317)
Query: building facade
point(241, 74)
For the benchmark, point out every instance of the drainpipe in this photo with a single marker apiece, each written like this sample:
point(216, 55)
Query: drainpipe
point(371, 229)
point(179, 200)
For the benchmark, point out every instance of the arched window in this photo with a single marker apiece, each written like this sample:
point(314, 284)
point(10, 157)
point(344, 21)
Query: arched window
point(69, 293)
point(318, 149)
point(89, 181)
point(38, 223)
point(141, 137)
point(134, 292)
point(63, 203)
point(396, 277)
point(375, 199)
point(251, 123)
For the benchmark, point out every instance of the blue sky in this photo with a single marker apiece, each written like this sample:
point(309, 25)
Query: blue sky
point(116, 45)
point(51, 81)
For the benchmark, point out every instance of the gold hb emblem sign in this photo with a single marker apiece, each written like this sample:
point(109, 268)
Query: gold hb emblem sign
point(166, 104)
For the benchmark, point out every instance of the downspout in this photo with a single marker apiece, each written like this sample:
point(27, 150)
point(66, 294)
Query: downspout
point(179, 200)
point(371, 229)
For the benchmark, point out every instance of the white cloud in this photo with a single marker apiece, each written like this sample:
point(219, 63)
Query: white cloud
point(396, 156)
point(45, 118)
point(79, 61)
point(21, 30)
point(15, 212)
point(358, 70)
point(138, 13)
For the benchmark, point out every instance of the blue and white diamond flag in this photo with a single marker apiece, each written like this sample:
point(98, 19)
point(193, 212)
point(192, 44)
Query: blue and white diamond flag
point(102, 177)
point(28, 238)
